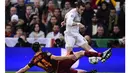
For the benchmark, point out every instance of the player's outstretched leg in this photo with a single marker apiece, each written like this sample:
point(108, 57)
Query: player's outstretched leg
point(104, 56)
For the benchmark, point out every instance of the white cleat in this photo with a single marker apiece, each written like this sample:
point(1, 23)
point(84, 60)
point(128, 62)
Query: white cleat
point(106, 55)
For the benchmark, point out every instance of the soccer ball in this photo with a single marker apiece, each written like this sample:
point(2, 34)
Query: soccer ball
point(93, 60)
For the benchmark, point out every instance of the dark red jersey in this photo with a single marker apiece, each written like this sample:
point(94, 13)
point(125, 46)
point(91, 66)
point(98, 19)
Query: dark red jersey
point(44, 61)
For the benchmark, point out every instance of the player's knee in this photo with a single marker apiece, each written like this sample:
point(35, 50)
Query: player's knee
point(85, 46)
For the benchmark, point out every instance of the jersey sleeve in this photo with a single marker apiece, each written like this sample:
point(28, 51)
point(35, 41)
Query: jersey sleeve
point(48, 55)
point(69, 19)
point(31, 63)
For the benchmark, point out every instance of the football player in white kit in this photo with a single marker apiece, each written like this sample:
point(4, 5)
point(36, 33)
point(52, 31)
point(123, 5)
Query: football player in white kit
point(72, 35)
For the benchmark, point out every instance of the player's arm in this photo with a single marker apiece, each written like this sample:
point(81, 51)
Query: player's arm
point(63, 57)
point(70, 20)
point(81, 25)
point(63, 23)
point(27, 67)
point(23, 70)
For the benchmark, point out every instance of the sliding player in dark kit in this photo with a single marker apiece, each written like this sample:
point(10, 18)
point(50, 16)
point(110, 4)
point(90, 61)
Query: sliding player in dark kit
point(58, 64)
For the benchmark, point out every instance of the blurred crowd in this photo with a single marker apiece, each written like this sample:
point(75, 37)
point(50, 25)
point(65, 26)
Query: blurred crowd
point(102, 19)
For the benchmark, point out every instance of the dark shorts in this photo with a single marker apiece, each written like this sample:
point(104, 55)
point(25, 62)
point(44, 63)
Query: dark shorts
point(65, 66)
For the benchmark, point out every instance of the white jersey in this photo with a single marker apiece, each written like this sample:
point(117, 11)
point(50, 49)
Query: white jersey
point(71, 17)
point(72, 35)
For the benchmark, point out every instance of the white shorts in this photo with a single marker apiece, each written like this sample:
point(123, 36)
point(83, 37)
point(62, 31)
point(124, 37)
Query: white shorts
point(72, 39)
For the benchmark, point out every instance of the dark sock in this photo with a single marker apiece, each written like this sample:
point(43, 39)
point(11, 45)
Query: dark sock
point(93, 71)
point(92, 54)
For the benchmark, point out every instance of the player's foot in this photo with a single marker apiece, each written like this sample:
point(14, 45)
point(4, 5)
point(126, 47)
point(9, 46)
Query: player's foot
point(106, 55)
point(93, 71)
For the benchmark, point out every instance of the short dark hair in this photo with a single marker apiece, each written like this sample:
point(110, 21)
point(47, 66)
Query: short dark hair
point(28, 6)
point(33, 26)
point(78, 4)
point(57, 9)
point(87, 3)
point(100, 25)
point(32, 15)
point(53, 16)
point(104, 2)
point(36, 46)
